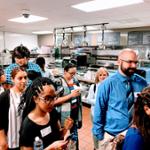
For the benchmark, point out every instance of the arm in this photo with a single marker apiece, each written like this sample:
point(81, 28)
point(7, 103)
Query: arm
point(4, 109)
point(3, 140)
point(67, 126)
point(58, 145)
point(65, 132)
point(65, 98)
point(100, 110)
point(26, 148)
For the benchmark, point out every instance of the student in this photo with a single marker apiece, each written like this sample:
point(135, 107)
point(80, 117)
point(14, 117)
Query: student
point(2, 80)
point(9, 119)
point(40, 118)
point(21, 56)
point(115, 99)
point(101, 74)
point(70, 104)
point(138, 135)
point(41, 62)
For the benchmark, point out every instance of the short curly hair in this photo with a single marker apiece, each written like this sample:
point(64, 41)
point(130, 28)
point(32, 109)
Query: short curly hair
point(21, 52)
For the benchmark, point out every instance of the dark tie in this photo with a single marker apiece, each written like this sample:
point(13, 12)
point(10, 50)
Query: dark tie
point(130, 98)
point(129, 88)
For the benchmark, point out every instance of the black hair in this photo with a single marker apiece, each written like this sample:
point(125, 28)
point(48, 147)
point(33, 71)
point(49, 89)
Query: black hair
point(68, 66)
point(20, 52)
point(140, 118)
point(32, 74)
point(27, 103)
point(41, 62)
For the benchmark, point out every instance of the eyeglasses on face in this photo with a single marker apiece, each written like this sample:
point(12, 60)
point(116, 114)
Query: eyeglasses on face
point(72, 73)
point(130, 61)
point(48, 99)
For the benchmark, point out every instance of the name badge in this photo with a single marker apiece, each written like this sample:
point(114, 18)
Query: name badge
point(46, 131)
point(74, 101)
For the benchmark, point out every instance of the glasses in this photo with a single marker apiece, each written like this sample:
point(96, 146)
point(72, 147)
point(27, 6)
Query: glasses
point(130, 61)
point(48, 99)
point(72, 73)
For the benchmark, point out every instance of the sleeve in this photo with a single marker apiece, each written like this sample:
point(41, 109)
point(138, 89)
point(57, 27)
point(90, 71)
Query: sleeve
point(26, 134)
point(100, 109)
point(132, 142)
point(7, 73)
point(4, 107)
point(91, 95)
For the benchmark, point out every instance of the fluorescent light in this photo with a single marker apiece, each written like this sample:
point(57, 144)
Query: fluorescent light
point(30, 19)
point(90, 28)
point(78, 29)
point(42, 32)
point(97, 5)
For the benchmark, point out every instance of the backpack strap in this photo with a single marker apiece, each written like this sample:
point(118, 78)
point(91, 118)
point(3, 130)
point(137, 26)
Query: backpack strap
point(94, 88)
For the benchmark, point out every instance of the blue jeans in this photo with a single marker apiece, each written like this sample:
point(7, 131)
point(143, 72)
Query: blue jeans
point(74, 132)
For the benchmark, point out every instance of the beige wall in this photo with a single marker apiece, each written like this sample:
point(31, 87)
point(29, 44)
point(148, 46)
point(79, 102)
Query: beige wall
point(45, 40)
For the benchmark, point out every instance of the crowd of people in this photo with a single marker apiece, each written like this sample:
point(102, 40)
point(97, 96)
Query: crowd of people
point(32, 105)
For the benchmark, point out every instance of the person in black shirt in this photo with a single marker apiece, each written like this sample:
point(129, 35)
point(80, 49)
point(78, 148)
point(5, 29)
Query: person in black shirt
point(40, 118)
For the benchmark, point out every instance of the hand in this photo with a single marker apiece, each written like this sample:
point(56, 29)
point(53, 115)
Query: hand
point(67, 136)
point(68, 123)
point(75, 93)
point(60, 145)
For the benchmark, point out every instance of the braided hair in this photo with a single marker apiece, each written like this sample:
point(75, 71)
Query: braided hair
point(27, 103)
point(140, 118)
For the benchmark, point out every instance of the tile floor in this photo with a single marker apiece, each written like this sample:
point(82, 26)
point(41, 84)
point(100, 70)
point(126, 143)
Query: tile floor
point(85, 133)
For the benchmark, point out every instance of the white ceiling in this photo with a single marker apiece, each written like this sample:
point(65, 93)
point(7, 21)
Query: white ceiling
point(60, 14)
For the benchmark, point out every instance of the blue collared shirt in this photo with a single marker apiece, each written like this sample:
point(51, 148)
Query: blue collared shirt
point(111, 112)
point(8, 70)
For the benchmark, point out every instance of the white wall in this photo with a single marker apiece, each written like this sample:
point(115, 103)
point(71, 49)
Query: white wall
point(12, 40)
point(1, 41)
point(46, 40)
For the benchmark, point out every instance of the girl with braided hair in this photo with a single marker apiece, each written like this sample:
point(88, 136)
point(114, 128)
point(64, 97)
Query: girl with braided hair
point(138, 135)
point(40, 118)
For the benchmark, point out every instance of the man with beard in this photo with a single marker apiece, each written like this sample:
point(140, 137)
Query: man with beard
point(115, 99)
point(20, 58)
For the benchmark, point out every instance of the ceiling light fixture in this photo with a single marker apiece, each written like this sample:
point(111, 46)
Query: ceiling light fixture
point(27, 17)
point(97, 5)
point(42, 32)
